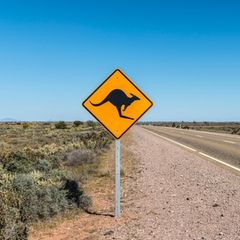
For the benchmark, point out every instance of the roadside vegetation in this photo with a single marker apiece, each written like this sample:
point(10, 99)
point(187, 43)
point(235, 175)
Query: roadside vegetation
point(99, 185)
point(38, 163)
point(222, 127)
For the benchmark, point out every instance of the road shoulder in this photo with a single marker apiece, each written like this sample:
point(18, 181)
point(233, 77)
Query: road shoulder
point(179, 195)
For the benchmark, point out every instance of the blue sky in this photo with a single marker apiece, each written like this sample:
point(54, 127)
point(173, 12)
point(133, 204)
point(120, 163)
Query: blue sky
point(185, 55)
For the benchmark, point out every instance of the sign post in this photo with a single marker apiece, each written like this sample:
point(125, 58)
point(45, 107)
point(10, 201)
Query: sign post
point(117, 104)
point(117, 179)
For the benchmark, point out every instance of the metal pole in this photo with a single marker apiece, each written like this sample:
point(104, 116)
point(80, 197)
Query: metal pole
point(117, 179)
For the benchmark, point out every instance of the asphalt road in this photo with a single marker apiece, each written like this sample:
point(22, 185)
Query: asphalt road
point(225, 147)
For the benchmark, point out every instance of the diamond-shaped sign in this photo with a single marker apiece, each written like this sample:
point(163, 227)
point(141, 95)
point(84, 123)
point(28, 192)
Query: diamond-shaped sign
point(117, 103)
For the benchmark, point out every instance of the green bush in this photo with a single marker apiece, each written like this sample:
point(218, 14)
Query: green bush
point(43, 165)
point(235, 131)
point(77, 123)
point(61, 125)
point(56, 162)
point(91, 123)
point(11, 224)
point(53, 201)
point(21, 195)
point(25, 125)
point(26, 190)
point(18, 163)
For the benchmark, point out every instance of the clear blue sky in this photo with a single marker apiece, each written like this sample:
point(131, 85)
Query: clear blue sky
point(185, 55)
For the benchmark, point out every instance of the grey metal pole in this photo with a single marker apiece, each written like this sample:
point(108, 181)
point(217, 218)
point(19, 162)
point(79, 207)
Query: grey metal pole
point(117, 179)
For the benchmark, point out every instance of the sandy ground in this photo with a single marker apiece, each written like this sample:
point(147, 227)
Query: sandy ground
point(172, 195)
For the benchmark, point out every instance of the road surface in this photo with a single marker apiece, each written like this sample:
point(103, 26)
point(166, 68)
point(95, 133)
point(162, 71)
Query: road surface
point(177, 195)
point(224, 147)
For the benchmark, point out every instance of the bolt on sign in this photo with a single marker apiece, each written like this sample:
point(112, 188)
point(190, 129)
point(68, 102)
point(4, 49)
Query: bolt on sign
point(117, 104)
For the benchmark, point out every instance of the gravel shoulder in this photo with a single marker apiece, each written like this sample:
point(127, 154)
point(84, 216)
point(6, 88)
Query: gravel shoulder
point(178, 195)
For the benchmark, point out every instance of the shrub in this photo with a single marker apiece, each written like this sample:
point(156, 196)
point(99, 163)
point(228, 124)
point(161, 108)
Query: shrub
point(18, 163)
point(56, 162)
point(25, 125)
point(77, 123)
point(11, 226)
point(53, 201)
point(236, 131)
point(32, 192)
point(79, 157)
point(20, 196)
point(43, 166)
point(24, 186)
point(61, 125)
point(91, 123)
point(58, 175)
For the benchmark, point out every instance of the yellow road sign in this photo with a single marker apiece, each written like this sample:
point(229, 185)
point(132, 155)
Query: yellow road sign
point(117, 103)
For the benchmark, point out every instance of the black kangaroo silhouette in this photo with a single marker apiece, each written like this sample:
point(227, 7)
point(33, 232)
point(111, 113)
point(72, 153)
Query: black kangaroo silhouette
point(118, 99)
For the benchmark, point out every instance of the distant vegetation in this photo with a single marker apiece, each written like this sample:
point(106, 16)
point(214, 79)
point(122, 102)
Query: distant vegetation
point(223, 127)
point(37, 165)
point(61, 125)
point(77, 123)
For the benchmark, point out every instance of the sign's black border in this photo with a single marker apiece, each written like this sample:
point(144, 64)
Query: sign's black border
point(135, 87)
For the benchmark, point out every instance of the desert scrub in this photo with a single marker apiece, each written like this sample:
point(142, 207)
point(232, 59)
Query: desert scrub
point(77, 123)
point(25, 125)
point(35, 184)
point(79, 157)
point(18, 163)
point(40, 194)
point(61, 125)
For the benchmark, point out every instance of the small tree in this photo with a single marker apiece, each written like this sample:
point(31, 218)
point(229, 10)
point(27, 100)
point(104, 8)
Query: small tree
point(91, 123)
point(77, 123)
point(25, 125)
point(61, 125)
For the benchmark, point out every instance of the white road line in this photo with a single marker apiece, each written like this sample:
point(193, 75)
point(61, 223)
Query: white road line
point(200, 153)
point(226, 141)
point(219, 161)
point(199, 136)
point(170, 140)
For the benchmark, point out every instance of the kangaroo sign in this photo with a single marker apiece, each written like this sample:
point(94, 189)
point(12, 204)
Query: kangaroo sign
point(117, 103)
